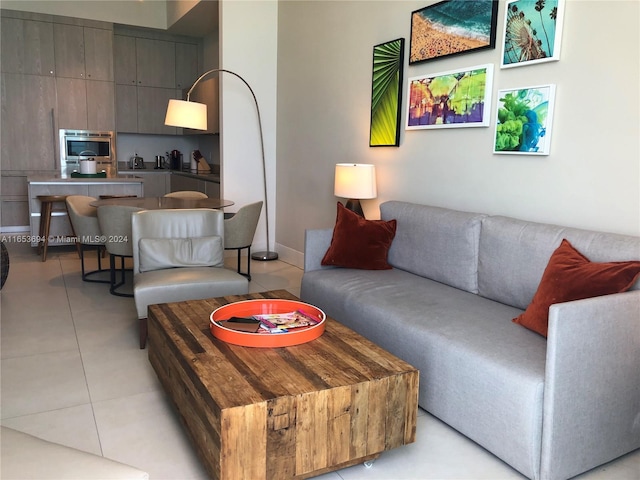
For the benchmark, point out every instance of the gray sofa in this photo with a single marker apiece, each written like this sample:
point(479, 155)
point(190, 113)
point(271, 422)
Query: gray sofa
point(551, 408)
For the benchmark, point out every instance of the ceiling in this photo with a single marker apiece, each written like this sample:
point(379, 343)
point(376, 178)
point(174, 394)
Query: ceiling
point(200, 21)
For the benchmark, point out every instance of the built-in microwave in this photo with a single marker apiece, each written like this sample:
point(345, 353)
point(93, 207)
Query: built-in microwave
point(76, 145)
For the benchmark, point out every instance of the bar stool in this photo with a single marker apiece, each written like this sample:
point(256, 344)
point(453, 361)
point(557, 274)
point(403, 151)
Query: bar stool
point(46, 202)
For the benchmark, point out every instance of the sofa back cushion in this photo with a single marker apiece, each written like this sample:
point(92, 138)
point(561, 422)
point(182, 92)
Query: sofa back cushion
point(514, 254)
point(435, 243)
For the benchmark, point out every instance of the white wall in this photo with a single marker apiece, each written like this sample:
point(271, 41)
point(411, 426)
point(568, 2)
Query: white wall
point(248, 47)
point(590, 180)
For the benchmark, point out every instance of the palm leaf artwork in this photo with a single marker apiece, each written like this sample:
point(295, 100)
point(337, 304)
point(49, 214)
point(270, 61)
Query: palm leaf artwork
point(386, 92)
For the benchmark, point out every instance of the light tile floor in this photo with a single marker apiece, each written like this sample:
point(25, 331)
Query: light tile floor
point(72, 373)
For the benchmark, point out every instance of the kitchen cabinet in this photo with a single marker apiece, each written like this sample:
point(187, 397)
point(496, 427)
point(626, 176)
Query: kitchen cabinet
point(152, 107)
point(29, 139)
point(69, 50)
point(124, 60)
point(156, 182)
point(27, 46)
point(160, 67)
point(155, 63)
point(101, 114)
point(85, 104)
point(83, 52)
point(98, 54)
point(187, 70)
point(204, 184)
point(126, 108)
point(71, 103)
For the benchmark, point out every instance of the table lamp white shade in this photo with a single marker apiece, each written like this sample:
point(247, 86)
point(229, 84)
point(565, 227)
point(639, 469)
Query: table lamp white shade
point(355, 180)
point(186, 114)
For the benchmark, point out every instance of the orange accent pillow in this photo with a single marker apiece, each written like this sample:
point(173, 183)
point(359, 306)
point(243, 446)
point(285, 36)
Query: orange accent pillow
point(569, 276)
point(359, 243)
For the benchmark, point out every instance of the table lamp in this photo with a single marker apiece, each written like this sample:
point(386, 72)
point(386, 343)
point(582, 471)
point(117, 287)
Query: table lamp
point(188, 114)
point(355, 181)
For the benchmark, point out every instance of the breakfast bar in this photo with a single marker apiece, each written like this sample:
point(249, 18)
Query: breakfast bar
point(61, 232)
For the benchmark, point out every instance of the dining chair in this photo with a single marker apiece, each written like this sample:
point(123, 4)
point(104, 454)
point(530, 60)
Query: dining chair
point(86, 230)
point(187, 194)
point(115, 223)
point(178, 255)
point(239, 231)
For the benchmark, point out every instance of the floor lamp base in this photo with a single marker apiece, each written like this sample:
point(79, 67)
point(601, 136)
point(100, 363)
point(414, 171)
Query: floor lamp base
point(264, 256)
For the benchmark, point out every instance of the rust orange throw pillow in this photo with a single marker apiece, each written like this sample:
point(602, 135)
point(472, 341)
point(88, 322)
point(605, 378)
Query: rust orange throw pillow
point(569, 275)
point(359, 243)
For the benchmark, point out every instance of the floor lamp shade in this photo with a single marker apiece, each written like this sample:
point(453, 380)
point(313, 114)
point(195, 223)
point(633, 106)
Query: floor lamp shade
point(355, 181)
point(186, 114)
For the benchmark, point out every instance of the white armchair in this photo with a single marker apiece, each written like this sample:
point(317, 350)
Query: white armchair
point(179, 255)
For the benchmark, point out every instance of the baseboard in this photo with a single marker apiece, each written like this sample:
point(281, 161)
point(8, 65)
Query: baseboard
point(290, 256)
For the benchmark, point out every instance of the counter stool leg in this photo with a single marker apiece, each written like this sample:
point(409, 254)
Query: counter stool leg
point(45, 216)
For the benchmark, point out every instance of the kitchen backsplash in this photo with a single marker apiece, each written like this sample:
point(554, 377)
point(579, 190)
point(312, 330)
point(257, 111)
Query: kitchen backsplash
point(148, 146)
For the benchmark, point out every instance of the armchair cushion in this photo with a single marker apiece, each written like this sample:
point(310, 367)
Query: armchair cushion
point(161, 253)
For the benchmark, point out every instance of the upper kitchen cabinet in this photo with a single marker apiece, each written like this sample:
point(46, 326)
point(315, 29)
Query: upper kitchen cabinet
point(27, 47)
point(124, 60)
point(187, 68)
point(98, 54)
point(83, 52)
point(28, 128)
point(151, 67)
point(155, 63)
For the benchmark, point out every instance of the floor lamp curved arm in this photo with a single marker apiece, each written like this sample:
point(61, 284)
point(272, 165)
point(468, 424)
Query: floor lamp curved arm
point(188, 114)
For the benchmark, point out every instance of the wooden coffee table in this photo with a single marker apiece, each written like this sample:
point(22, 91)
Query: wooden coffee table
point(280, 413)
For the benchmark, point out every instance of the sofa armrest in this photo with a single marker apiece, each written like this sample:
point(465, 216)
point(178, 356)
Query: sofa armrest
point(592, 393)
point(316, 244)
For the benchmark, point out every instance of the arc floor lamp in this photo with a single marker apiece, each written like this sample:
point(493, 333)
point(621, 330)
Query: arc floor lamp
point(188, 114)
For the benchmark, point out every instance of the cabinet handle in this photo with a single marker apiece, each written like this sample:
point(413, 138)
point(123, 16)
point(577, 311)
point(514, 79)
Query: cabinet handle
point(53, 131)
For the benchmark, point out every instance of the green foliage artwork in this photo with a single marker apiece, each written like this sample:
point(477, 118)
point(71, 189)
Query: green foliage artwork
point(386, 93)
point(523, 124)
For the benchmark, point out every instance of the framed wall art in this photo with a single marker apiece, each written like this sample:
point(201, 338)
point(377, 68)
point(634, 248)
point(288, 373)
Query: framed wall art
point(458, 98)
point(532, 32)
point(452, 27)
point(386, 94)
point(523, 120)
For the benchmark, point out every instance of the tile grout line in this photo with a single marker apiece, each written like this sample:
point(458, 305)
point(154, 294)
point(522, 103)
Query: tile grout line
point(84, 371)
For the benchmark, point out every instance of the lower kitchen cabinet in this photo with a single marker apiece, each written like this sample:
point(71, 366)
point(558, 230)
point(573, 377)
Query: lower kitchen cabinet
point(204, 184)
point(156, 183)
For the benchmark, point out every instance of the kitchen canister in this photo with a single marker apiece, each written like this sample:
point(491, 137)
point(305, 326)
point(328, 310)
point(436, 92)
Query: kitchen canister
point(88, 166)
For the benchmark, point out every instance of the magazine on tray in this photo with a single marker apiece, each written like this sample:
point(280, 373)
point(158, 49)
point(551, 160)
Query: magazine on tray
point(270, 322)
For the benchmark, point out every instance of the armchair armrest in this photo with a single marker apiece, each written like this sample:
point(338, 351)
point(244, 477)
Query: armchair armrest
point(592, 389)
point(316, 244)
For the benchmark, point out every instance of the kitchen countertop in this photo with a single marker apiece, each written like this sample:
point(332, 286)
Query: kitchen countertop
point(120, 178)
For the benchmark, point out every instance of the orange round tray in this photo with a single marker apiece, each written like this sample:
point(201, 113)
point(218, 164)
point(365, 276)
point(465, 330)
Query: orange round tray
point(264, 306)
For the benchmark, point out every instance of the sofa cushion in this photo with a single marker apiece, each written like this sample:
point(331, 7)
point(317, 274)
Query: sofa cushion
point(514, 253)
point(569, 276)
point(358, 242)
point(489, 390)
point(435, 243)
point(159, 253)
